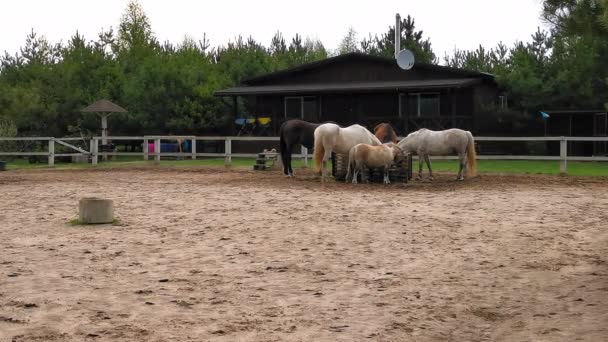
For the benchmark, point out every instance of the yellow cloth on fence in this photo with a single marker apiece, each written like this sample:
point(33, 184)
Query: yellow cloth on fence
point(264, 120)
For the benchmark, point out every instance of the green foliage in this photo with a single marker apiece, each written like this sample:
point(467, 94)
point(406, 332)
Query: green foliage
point(165, 87)
point(7, 129)
point(349, 42)
point(384, 45)
point(564, 68)
point(169, 88)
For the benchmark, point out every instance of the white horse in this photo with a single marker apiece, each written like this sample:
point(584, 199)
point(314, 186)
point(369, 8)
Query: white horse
point(425, 142)
point(330, 138)
point(364, 155)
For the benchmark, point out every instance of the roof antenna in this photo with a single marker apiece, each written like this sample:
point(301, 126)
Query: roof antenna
point(397, 35)
point(405, 58)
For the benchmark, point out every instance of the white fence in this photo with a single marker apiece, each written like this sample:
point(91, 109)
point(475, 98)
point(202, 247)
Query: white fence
point(94, 153)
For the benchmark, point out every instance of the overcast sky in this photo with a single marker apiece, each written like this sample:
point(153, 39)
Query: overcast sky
point(464, 24)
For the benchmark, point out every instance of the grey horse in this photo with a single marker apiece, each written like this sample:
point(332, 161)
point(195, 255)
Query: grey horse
point(425, 142)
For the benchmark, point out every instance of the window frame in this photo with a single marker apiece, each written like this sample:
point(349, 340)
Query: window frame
point(417, 96)
point(301, 99)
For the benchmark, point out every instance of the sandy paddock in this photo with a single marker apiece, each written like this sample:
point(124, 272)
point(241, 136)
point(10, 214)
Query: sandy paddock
point(234, 255)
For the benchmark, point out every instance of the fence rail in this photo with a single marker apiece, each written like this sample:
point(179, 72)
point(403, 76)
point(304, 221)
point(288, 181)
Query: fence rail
point(94, 152)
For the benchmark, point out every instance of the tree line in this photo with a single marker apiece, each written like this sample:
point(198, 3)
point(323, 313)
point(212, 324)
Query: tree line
point(168, 88)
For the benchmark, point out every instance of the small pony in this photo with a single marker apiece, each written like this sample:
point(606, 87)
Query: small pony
point(364, 155)
point(425, 142)
point(330, 138)
point(386, 133)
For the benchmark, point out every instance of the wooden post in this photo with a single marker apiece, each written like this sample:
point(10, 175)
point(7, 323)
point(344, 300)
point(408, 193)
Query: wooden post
point(563, 155)
point(52, 152)
point(304, 152)
point(228, 152)
point(95, 151)
point(145, 149)
point(193, 148)
point(157, 151)
point(91, 147)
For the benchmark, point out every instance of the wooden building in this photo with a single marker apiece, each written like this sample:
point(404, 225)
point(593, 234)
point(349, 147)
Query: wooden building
point(579, 123)
point(364, 89)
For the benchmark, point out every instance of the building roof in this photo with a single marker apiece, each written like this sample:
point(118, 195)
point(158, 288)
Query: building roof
point(361, 56)
point(347, 87)
point(104, 106)
point(575, 111)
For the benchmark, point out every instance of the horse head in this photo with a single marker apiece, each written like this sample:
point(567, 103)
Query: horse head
point(385, 133)
point(411, 141)
point(398, 153)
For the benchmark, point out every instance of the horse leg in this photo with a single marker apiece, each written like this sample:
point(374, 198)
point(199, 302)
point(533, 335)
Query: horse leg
point(285, 153)
point(349, 169)
point(386, 178)
point(323, 168)
point(428, 164)
point(420, 164)
point(289, 165)
point(355, 175)
point(463, 162)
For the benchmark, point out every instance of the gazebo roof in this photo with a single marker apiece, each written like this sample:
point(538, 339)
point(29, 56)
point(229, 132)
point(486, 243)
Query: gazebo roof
point(104, 106)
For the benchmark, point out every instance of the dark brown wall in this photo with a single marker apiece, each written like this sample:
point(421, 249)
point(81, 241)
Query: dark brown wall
point(368, 109)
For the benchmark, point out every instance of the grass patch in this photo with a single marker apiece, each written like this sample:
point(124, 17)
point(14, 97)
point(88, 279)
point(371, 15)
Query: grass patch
point(523, 167)
point(77, 222)
point(484, 166)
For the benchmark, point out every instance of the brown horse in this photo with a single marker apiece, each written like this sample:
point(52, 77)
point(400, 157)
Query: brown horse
point(386, 133)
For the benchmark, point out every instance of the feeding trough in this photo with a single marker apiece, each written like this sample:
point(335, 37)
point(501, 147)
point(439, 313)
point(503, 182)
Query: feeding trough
point(93, 210)
point(400, 172)
point(2, 165)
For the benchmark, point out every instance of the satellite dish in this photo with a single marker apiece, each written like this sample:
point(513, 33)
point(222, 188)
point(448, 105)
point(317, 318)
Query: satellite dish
point(405, 59)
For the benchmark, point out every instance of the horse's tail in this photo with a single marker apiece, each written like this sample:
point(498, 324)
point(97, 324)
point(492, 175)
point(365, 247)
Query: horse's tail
point(351, 160)
point(471, 156)
point(318, 153)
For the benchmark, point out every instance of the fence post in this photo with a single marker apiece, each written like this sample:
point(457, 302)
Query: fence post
point(304, 152)
point(157, 151)
point(145, 149)
point(93, 151)
point(52, 152)
point(228, 152)
point(193, 148)
point(563, 155)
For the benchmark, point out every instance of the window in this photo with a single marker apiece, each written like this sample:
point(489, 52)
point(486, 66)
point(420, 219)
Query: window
point(301, 107)
point(502, 101)
point(421, 104)
point(428, 105)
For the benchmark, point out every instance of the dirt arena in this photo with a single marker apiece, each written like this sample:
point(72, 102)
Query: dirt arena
point(234, 255)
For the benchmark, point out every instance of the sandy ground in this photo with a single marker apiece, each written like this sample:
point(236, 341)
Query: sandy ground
point(234, 255)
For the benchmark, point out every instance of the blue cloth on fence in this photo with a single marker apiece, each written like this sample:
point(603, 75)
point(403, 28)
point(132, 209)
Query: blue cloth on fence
point(186, 146)
point(166, 147)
